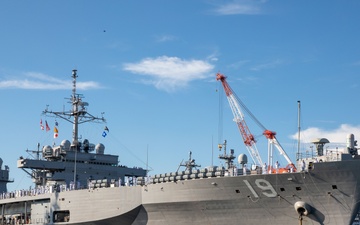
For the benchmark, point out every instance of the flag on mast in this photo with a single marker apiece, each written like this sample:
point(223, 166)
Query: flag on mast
point(104, 134)
point(56, 132)
point(106, 130)
point(47, 126)
point(41, 125)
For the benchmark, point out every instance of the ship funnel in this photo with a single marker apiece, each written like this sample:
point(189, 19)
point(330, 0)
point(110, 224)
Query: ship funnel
point(302, 208)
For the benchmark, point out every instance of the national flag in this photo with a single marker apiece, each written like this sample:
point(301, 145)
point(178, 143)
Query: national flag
point(56, 132)
point(47, 126)
point(41, 125)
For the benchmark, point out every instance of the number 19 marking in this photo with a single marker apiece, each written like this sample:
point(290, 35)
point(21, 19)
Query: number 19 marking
point(267, 189)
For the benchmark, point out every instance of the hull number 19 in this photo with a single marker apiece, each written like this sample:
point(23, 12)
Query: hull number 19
point(266, 188)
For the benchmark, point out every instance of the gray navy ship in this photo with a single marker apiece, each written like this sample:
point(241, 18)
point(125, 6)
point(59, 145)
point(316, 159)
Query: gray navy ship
point(78, 183)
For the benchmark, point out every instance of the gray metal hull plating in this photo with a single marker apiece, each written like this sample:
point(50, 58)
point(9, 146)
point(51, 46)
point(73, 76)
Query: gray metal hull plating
point(330, 190)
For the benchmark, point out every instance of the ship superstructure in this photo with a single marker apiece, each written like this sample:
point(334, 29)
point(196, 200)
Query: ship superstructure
point(76, 162)
point(4, 177)
point(77, 183)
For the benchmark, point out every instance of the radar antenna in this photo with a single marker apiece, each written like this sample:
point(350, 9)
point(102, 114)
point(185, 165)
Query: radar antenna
point(190, 164)
point(229, 159)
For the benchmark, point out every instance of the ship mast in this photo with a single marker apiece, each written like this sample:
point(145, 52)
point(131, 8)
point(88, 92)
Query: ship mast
point(75, 99)
point(78, 112)
point(80, 115)
point(299, 129)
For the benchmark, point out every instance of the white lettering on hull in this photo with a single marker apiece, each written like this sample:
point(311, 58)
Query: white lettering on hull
point(251, 189)
point(267, 189)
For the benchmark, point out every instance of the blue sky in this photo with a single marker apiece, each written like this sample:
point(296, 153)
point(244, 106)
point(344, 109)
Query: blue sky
point(151, 66)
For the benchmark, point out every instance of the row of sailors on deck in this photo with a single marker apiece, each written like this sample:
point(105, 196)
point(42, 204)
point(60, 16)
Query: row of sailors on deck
point(33, 192)
point(54, 188)
point(14, 220)
point(267, 169)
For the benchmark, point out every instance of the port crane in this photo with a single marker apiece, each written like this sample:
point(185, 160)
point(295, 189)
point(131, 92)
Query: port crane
point(237, 107)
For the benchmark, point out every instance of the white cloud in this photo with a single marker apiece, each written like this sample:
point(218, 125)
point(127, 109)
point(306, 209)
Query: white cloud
point(244, 7)
point(170, 73)
point(337, 135)
point(40, 81)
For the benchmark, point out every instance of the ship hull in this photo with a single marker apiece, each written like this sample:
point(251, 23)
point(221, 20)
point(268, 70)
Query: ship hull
point(328, 190)
point(123, 219)
point(112, 205)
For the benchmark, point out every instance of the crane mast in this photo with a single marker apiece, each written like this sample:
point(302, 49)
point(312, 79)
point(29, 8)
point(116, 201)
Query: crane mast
point(246, 135)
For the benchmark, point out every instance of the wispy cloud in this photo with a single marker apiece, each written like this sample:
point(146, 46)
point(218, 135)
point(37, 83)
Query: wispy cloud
point(337, 135)
point(213, 57)
point(170, 73)
point(249, 79)
point(267, 65)
point(237, 65)
point(357, 63)
point(165, 38)
point(244, 7)
point(40, 81)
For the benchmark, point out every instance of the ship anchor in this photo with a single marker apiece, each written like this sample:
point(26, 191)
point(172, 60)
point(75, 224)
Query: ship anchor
point(303, 209)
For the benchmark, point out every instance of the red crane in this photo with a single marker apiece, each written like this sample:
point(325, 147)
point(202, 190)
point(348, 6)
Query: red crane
point(237, 106)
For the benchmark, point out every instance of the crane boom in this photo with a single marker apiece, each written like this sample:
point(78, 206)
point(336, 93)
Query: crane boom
point(245, 132)
point(270, 135)
point(247, 136)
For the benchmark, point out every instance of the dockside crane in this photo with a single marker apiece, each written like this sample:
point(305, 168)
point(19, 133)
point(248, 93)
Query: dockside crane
point(237, 107)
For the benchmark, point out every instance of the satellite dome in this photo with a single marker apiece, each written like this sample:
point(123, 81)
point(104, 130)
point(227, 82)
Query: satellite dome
point(100, 148)
point(65, 144)
point(242, 159)
point(47, 151)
